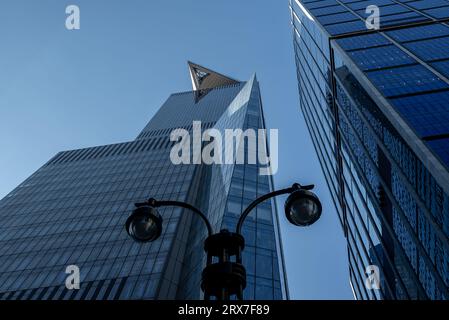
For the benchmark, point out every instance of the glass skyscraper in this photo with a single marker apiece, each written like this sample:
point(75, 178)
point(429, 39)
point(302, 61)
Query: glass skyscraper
point(376, 103)
point(73, 209)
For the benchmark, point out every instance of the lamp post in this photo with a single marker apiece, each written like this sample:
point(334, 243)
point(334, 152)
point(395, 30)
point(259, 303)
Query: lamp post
point(224, 274)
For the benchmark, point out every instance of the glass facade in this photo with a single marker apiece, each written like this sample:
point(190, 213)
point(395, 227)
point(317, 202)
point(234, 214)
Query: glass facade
point(72, 211)
point(376, 105)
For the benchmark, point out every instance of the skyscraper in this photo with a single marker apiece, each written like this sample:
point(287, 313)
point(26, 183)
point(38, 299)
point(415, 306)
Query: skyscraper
point(376, 103)
point(72, 211)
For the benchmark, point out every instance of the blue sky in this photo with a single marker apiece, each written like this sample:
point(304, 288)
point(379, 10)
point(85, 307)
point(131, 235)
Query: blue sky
point(63, 90)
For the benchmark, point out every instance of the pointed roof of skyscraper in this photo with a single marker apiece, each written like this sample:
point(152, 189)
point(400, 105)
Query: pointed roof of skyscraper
point(203, 78)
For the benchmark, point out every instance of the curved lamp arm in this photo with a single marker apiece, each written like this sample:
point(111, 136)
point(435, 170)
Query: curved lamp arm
point(156, 203)
point(267, 196)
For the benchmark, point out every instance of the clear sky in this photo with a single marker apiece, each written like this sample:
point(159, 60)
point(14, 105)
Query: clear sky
point(101, 84)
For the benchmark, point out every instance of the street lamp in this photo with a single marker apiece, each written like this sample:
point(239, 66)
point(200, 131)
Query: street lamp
point(145, 224)
point(302, 208)
point(224, 274)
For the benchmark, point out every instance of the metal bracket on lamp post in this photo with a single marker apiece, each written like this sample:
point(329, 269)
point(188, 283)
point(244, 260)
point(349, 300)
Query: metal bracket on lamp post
point(265, 197)
point(166, 203)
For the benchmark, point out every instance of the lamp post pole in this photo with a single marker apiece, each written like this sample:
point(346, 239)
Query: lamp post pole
point(224, 274)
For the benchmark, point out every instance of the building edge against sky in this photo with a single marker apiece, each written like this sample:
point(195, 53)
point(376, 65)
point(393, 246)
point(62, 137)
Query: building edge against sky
point(77, 203)
point(375, 104)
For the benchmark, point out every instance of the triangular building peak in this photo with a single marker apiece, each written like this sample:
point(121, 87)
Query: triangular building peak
point(204, 78)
